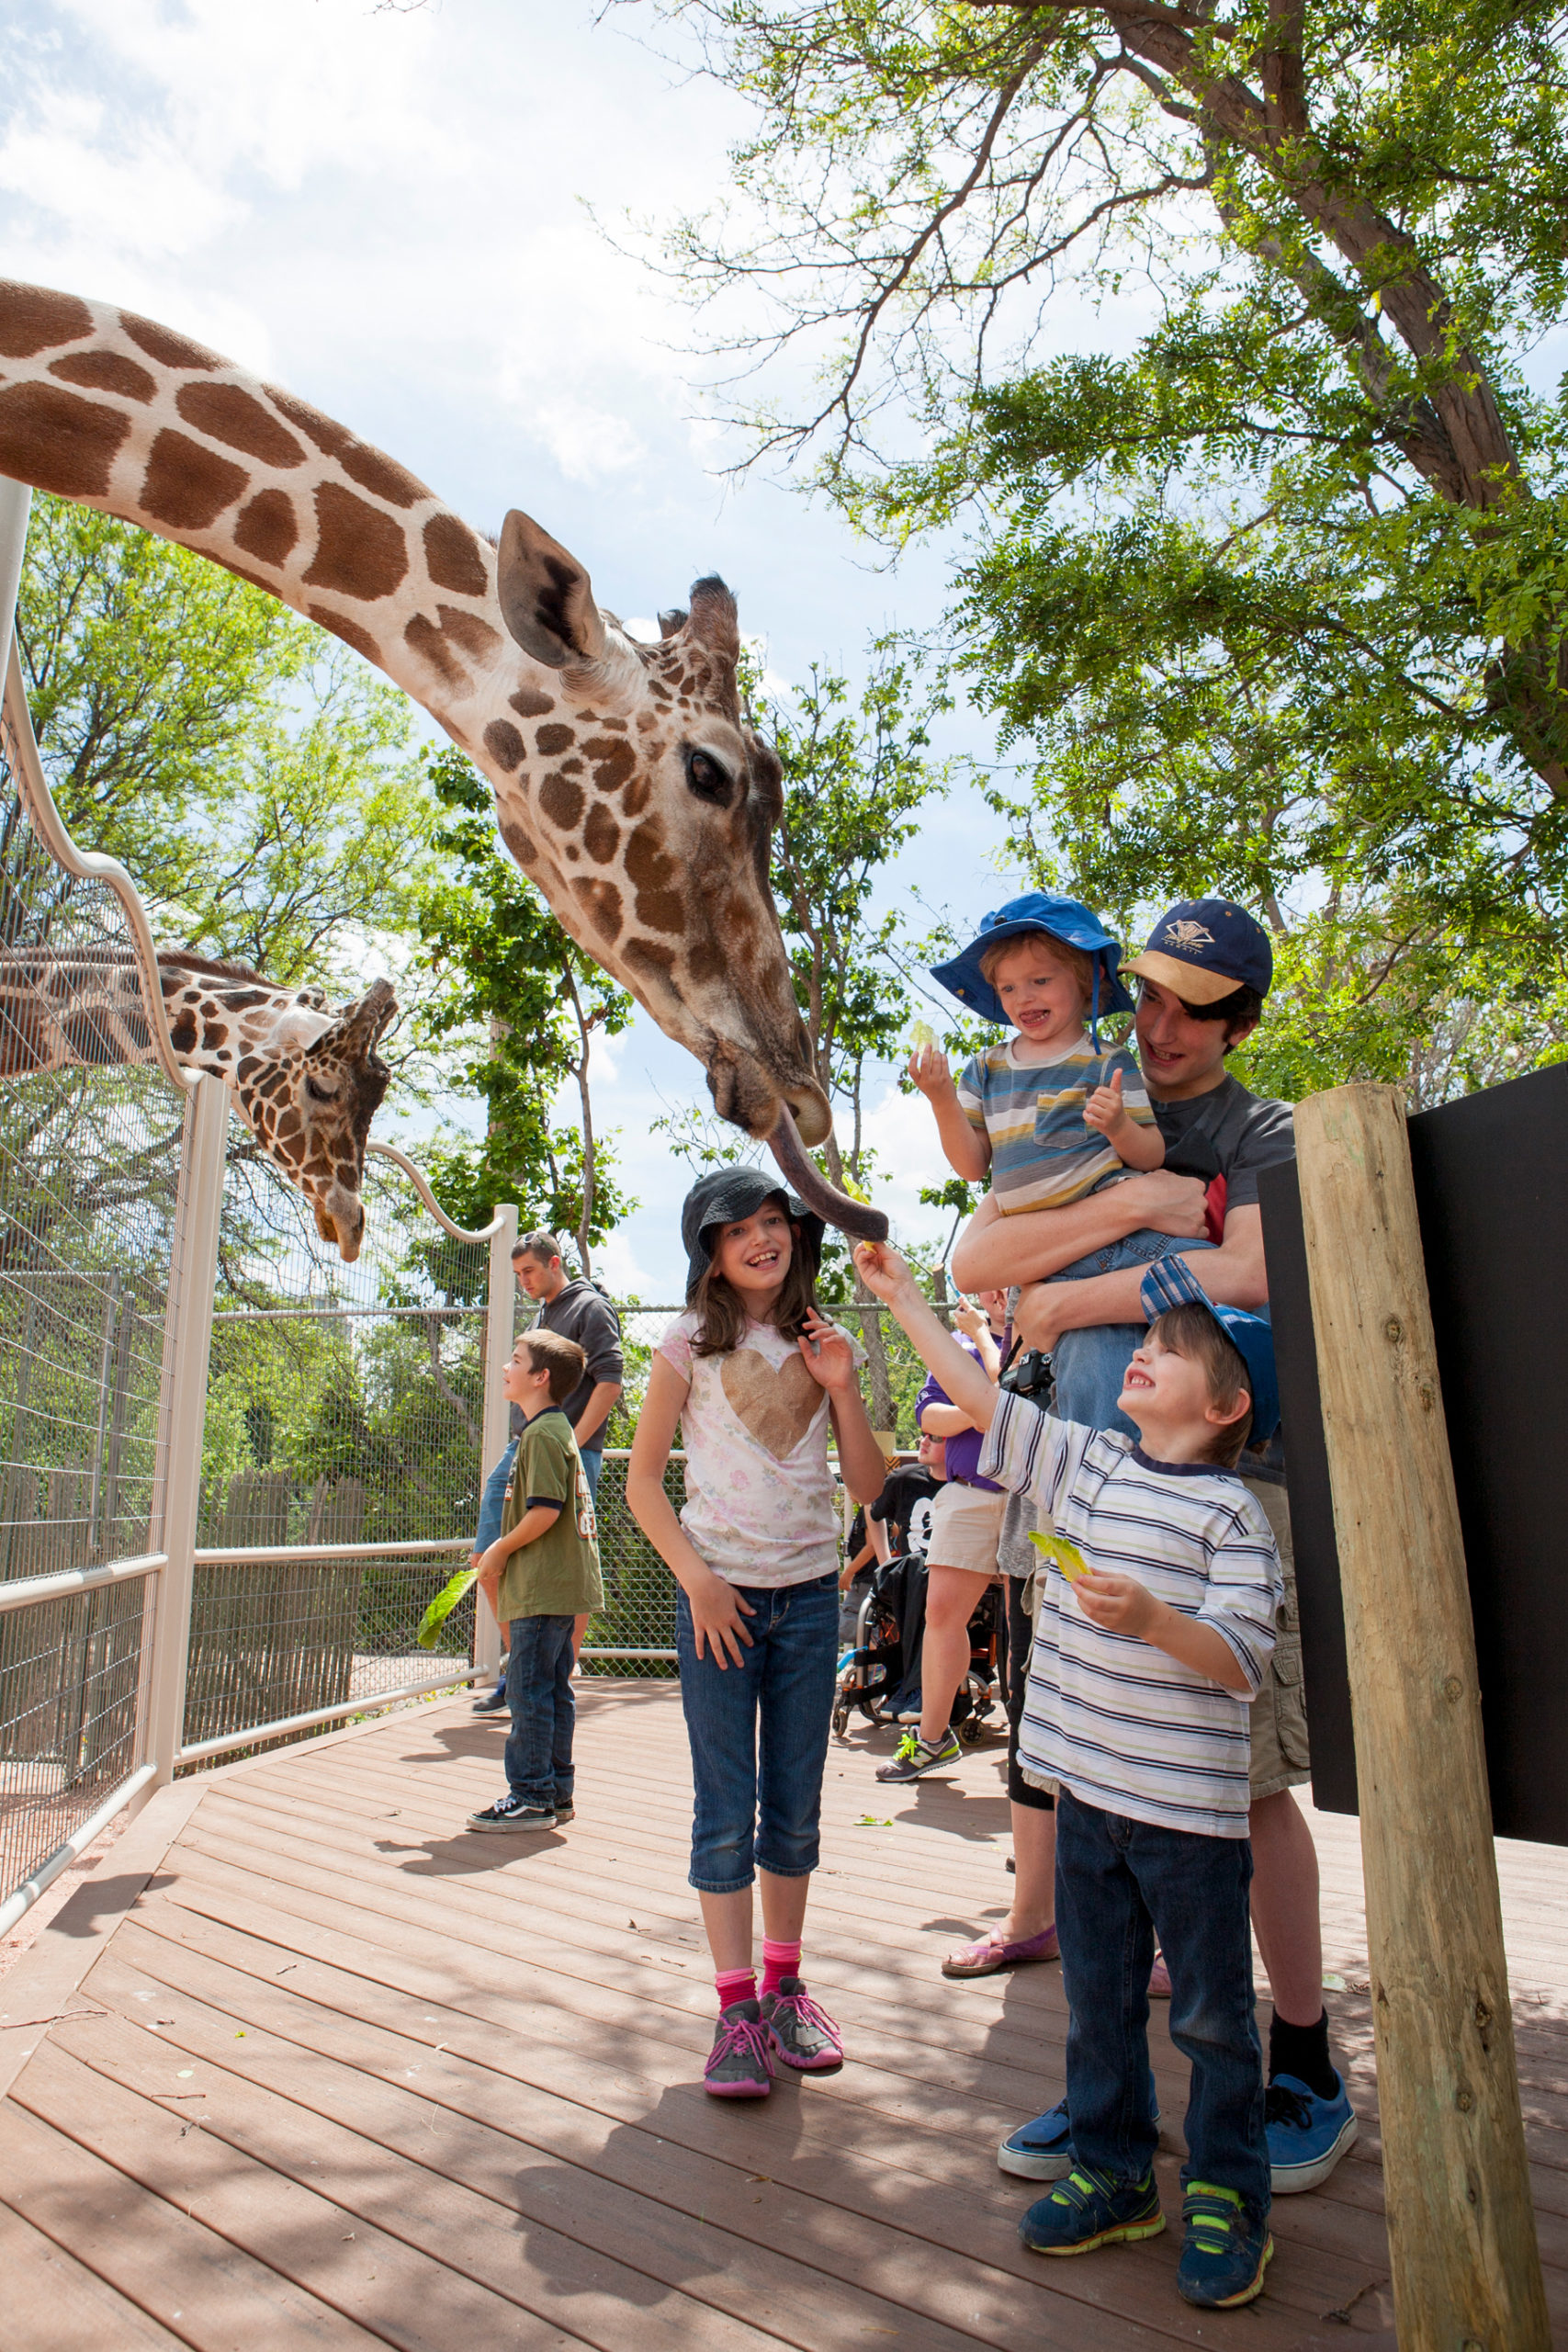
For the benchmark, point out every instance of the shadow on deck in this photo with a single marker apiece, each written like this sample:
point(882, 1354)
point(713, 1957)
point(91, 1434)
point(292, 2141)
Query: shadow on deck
point(307, 2065)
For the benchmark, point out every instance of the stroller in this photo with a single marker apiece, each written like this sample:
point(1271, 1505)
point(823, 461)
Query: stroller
point(880, 1678)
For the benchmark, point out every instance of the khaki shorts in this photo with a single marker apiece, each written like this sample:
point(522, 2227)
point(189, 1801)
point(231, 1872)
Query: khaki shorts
point(1280, 1759)
point(965, 1524)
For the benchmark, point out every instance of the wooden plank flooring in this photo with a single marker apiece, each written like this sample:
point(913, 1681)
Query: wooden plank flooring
point(346, 2075)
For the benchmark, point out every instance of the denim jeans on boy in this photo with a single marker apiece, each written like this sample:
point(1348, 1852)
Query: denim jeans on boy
point(1119, 1885)
point(761, 1812)
point(544, 1712)
point(1089, 1366)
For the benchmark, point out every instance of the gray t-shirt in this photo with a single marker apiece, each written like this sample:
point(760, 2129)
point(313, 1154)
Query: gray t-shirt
point(1247, 1131)
point(581, 1312)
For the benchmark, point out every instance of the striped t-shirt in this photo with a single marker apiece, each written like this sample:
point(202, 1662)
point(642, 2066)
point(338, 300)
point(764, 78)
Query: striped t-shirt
point(1123, 1725)
point(1044, 1153)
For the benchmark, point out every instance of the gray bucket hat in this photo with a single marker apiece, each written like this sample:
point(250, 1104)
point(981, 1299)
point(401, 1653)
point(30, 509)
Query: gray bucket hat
point(724, 1198)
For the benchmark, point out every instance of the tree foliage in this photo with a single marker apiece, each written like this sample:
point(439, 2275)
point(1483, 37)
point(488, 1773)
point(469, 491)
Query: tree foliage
point(520, 1003)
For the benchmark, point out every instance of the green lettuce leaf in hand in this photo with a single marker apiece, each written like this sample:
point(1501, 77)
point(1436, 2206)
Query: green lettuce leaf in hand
point(441, 1608)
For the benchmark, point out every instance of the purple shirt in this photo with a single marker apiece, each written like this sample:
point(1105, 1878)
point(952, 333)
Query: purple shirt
point(963, 1450)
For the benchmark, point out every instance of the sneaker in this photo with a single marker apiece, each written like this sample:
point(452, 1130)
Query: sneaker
point(493, 1702)
point(564, 1810)
point(1307, 2135)
point(1225, 2252)
point(1089, 2208)
point(511, 1813)
point(739, 2064)
point(803, 2036)
point(1044, 2150)
point(915, 1756)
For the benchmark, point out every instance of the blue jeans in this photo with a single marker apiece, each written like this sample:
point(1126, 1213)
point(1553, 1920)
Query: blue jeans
point(544, 1712)
point(1118, 1884)
point(494, 1493)
point(749, 1811)
point(1090, 1366)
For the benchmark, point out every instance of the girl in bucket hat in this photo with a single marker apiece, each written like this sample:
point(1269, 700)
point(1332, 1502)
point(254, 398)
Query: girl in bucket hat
point(754, 1375)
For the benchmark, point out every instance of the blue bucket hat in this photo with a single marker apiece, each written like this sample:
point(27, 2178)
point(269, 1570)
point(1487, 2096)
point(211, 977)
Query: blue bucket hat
point(1170, 1282)
point(1063, 919)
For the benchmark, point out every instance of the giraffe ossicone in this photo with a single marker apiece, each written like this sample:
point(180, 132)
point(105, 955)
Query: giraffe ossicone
point(306, 1080)
point(630, 784)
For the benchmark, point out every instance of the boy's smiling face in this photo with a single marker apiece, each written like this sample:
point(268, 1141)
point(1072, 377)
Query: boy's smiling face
point(1041, 995)
point(1166, 1396)
point(522, 1384)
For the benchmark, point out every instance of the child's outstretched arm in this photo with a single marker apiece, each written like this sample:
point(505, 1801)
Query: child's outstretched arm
point(1136, 1144)
point(885, 1272)
point(968, 1150)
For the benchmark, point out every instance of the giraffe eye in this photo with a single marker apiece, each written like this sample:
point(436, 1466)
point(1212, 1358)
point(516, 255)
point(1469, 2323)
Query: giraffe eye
point(319, 1093)
point(708, 779)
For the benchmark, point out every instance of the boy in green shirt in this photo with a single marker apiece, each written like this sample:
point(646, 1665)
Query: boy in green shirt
point(540, 1572)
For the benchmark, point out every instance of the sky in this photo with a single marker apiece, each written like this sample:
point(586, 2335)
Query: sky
point(387, 211)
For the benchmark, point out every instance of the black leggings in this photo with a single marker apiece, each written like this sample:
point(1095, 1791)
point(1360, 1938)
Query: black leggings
point(1020, 1640)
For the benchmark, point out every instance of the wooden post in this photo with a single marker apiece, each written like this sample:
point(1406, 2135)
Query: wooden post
point(1461, 2232)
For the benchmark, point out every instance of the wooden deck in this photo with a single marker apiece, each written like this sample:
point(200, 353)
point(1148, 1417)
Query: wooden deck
point(306, 2065)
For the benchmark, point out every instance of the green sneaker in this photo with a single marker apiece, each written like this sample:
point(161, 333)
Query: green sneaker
point(1225, 2253)
point(914, 1756)
point(1089, 2208)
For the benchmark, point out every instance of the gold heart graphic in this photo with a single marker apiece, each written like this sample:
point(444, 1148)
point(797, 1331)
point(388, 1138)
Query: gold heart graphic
point(778, 1408)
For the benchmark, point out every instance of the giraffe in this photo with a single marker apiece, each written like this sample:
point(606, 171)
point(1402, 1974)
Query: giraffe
point(629, 785)
point(306, 1082)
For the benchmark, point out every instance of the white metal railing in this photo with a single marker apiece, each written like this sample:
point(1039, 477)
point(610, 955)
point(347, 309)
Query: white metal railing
point(167, 1566)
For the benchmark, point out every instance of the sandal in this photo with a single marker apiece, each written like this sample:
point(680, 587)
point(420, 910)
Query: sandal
point(985, 1957)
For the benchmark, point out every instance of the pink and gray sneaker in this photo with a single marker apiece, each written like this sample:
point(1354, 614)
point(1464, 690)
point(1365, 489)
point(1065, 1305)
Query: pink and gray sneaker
point(739, 2064)
point(803, 2036)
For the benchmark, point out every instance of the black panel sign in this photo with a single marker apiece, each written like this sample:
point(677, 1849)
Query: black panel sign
point(1491, 1191)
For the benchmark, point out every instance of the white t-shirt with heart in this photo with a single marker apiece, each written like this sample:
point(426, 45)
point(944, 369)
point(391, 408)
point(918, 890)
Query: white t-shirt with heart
point(758, 1505)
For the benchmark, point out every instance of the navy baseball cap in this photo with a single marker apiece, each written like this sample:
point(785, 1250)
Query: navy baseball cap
point(1203, 949)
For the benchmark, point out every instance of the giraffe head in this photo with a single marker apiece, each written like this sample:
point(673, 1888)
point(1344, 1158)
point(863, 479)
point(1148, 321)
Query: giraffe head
point(639, 795)
point(306, 1082)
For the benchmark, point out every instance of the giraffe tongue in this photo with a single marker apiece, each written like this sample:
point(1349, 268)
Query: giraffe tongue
point(834, 1208)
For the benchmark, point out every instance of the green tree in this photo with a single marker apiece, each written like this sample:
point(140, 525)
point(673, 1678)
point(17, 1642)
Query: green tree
point(260, 785)
point(1277, 599)
point(520, 1001)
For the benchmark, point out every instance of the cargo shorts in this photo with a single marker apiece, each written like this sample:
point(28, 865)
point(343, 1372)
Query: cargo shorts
point(1280, 1757)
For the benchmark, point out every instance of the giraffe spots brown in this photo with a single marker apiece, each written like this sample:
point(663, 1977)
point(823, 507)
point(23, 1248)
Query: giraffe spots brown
point(359, 550)
point(252, 579)
point(636, 796)
point(106, 371)
point(453, 558)
point(188, 486)
point(467, 630)
point(561, 801)
point(423, 638)
point(551, 740)
point(528, 703)
point(31, 318)
point(524, 847)
point(236, 417)
point(652, 963)
point(351, 633)
point(363, 464)
point(162, 343)
point(503, 743)
point(183, 1039)
point(602, 902)
point(573, 853)
point(600, 835)
point(268, 527)
point(613, 762)
point(59, 441)
point(704, 961)
point(650, 870)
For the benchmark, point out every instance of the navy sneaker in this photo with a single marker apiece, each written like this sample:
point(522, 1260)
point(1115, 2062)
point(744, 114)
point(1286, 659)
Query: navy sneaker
point(493, 1702)
point(1224, 2252)
point(1089, 2208)
point(1044, 2150)
point(511, 1813)
point(1307, 2135)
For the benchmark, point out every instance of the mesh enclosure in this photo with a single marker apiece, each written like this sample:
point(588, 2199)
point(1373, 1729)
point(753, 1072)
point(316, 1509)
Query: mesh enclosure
point(344, 1424)
point(89, 1166)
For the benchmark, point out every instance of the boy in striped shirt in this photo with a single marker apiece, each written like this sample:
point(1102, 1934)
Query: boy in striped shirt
point(1155, 1630)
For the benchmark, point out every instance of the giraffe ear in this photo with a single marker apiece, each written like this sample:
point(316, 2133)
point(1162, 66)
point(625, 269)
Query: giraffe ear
point(714, 619)
point(546, 598)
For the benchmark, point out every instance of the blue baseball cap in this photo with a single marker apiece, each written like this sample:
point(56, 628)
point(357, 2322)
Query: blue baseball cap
point(1170, 1282)
point(1203, 949)
point(1063, 919)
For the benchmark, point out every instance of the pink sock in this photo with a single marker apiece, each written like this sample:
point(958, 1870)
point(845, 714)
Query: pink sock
point(779, 1960)
point(735, 1984)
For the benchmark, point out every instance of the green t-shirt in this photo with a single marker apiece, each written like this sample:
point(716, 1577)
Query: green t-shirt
point(557, 1573)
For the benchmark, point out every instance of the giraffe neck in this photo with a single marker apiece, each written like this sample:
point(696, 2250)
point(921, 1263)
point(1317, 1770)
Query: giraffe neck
point(74, 1011)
